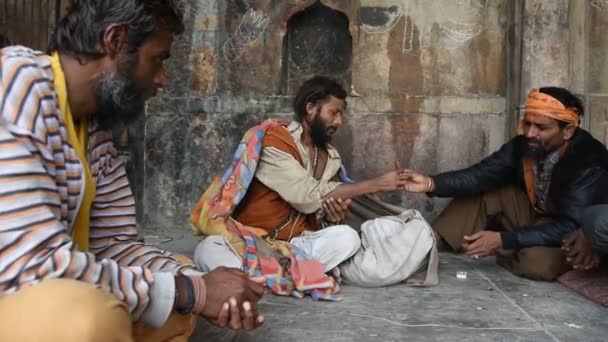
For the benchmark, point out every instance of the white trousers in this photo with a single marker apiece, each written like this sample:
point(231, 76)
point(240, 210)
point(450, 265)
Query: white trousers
point(331, 246)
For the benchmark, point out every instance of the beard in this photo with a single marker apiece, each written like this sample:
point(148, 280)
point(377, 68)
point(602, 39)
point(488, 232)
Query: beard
point(538, 149)
point(120, 99)
point(320, 133)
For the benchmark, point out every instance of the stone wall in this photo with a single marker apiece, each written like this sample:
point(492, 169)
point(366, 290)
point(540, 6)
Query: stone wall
point(30, 22)
point(436, 84)
point(596, 60)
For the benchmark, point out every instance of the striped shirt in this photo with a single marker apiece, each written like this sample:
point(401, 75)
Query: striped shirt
point(41, 187)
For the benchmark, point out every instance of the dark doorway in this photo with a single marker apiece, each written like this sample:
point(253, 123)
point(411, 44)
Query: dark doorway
point(29, 22)
point(318, 42)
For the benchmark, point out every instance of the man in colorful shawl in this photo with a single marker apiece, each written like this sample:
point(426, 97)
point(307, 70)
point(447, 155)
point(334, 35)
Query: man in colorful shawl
point(527, 199)
point(291, 192)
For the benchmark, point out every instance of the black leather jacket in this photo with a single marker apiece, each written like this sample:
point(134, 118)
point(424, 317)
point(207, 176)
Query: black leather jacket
point(579, 179)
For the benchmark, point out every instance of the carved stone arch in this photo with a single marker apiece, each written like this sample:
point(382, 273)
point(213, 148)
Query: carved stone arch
point(317, 41)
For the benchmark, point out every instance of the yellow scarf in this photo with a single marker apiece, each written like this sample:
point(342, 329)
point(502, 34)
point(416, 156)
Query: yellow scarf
point(78, 135)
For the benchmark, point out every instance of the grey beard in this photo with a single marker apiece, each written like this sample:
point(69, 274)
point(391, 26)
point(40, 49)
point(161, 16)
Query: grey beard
point(119, 99)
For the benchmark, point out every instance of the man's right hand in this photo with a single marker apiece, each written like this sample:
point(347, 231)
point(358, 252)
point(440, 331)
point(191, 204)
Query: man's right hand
point(233, 286)
point(418, 182)
point(231, 298)
point(390, 181)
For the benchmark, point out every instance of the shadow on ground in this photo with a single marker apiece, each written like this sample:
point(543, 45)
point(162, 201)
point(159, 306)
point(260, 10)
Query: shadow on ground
point(490, 305)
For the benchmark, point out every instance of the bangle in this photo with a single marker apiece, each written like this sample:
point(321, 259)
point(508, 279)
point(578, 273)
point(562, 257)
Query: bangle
point(189, 294)
point(430, 185)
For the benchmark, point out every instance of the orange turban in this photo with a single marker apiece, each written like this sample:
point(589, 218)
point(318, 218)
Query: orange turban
point(548, 106)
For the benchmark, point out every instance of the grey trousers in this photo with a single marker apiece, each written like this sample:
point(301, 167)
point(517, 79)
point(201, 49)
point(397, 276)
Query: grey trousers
point(595, 227)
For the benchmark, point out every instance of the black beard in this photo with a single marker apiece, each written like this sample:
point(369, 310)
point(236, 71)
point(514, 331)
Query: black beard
point(539, 152)
point(120, 100)
point(535, 153)
point(320, 134)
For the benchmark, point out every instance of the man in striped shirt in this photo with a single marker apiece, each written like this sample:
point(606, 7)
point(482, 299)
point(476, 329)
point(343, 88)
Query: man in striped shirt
point(68, 243)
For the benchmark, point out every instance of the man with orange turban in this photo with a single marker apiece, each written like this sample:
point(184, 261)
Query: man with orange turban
point(523, 201)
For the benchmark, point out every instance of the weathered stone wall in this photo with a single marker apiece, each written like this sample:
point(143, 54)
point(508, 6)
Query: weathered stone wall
point(436, 84)
point(30, 22)
point(597, 72)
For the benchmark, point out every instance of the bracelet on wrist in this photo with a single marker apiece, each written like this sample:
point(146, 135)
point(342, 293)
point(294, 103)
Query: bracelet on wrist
point(189, 295)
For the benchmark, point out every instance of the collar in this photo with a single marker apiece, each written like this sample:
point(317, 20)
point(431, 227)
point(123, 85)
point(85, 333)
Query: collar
point(296, 130)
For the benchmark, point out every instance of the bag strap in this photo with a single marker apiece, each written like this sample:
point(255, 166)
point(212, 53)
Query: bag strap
point(429, 275)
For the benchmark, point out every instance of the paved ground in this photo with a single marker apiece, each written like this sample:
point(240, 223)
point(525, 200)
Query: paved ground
point(490, 305)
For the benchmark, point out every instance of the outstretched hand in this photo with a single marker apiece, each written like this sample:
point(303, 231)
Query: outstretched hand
point(418, 182)
point(392, 180)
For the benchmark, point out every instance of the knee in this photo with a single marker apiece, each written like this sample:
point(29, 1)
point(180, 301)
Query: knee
point(215, 251)
point(354, 240)
point(95, 315)
point(539, 273)
point(211, 242)
point(595, 225)
point(96, 323)
point(347, 238)
point(206, 249)
point(534, 263)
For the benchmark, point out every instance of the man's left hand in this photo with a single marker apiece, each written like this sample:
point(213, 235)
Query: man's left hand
point(482, 244)
point(335, 209)
point(579, 252)
point(232, 317)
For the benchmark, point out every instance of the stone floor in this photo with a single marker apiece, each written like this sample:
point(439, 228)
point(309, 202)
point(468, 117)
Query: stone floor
point(490, 305)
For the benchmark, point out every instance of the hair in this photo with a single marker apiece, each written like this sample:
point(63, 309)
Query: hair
point(568, 99)
point(316, 90)
point(82, 28)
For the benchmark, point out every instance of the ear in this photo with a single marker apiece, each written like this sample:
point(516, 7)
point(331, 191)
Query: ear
point(311, 110)
point(114, 40)
point(568, 131)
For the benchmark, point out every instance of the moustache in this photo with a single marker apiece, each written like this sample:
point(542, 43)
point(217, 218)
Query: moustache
point(331, 130)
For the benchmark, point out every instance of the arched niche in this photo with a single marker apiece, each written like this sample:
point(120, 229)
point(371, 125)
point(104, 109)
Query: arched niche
point(317, 42)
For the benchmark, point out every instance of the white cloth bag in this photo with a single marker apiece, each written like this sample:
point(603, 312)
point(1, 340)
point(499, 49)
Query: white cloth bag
point(394, 249)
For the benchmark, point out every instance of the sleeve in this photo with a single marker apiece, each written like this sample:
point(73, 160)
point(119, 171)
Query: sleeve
point(282, 173)
point(113, 228)
point(114, 235)
point(492, 173)
point(36, 246)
